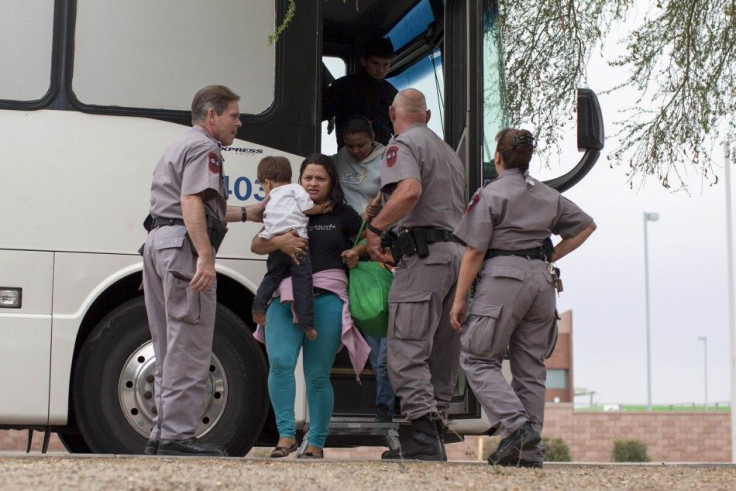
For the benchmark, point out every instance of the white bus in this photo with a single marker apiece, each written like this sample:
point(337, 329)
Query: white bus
point(92, 92)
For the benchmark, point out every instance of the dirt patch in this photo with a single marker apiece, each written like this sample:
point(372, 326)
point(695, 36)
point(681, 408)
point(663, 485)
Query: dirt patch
point(117, 472)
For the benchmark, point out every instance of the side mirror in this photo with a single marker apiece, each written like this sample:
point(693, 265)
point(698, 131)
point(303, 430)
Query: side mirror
point(591, 140)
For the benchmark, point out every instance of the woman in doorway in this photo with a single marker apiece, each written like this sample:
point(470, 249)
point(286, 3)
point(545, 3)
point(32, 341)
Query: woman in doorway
point(329, 236)
point(359, 167)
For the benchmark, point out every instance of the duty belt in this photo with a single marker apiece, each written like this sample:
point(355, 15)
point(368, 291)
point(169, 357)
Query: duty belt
point(411, 241)
point(434, 235)
point(164, 222)
point(536, 253)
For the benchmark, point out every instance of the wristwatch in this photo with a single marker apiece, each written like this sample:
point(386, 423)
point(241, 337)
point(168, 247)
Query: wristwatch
point(373, 229)
point(243, 214)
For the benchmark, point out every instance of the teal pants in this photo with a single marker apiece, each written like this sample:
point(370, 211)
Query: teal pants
point(284, 340)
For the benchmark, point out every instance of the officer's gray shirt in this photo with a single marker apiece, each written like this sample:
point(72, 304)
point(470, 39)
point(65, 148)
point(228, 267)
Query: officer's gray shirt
point(418, 153)
point(509, 214)
point(190, 165)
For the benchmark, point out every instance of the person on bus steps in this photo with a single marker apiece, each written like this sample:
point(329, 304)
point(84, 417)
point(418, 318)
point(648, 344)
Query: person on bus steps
point(186, 222)
point(423, 182)
point(330, 234)
point(359, 167)
point(364, 93)
point(504, 228)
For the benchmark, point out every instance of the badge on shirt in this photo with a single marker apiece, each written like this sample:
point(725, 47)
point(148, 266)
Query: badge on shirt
point(473, 202)
point(392, 153)
point(213, 162)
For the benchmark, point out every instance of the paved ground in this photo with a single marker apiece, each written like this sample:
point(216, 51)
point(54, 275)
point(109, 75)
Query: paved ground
point(18, 471)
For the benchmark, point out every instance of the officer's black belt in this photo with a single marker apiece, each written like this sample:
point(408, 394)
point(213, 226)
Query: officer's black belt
point(165, 222)
point(434, 235)
point(536, 253)
point(410, 241)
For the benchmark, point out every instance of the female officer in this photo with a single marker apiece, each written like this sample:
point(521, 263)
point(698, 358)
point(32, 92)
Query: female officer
point(513, 307)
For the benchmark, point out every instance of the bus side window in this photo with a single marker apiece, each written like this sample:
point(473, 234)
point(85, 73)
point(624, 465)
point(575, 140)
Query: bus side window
point(332, 69)
point(26, 36)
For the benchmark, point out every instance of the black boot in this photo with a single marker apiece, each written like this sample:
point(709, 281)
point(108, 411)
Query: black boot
point(151, 447)
point(190, 447)
point(424, 443)
point(442, 428)
point(509, 450)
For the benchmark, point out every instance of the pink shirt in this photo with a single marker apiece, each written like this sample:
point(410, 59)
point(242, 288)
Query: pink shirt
point(335, 281)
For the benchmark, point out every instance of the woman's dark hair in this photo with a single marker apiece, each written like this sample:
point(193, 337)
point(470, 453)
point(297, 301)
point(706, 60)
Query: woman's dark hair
point(336, 195)
point(359, 124)
point(516, 148)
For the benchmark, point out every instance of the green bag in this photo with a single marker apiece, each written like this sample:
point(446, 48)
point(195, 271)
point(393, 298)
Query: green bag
point(368, 289)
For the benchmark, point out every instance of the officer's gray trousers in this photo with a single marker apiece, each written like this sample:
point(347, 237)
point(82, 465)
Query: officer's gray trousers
point(182, 325)
point(423, 350)
point(513, 310)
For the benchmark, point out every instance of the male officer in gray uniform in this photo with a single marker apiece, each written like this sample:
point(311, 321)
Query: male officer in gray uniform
point(179, 282)
point(424, 182)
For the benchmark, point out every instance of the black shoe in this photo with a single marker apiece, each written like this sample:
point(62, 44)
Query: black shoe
point(424, 444)
point(509, 450)
point(151, 447)
point(191, 447)
point(382, 414)
point(442, 428)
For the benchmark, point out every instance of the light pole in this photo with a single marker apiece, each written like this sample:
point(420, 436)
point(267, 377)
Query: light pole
point(704, 339)
point(731, 315)
point(648, 217)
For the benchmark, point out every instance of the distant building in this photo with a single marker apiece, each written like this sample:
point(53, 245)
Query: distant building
point(560, 386)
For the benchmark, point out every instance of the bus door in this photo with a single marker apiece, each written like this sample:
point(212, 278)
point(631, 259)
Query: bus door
point(429, 37)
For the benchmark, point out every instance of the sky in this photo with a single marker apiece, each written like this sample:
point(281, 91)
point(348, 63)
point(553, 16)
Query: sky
point(688, 278)
point(604, 282)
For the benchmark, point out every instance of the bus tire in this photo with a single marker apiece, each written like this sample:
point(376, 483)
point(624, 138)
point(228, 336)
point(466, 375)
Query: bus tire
point(73, 442)
point(102, 407)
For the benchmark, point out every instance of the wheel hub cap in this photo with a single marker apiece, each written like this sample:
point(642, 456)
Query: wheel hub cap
point(136, 392)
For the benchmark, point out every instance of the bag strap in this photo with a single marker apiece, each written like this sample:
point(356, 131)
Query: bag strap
point(360, 231)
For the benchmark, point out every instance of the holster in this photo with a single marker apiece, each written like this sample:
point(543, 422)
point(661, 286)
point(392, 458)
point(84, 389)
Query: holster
point(404, 244)
point(148, 222)
point(420, 242)
point(549, 249)
point(216, 230)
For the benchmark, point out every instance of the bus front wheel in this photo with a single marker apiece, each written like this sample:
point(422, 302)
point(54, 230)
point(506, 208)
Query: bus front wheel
point(113, 390)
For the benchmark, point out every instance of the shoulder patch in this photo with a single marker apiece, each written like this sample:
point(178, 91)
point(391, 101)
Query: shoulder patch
point(392, 153)
point(213, 162)
point(473, 202)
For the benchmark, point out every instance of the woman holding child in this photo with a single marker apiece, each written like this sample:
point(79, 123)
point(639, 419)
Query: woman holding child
point(329, 236)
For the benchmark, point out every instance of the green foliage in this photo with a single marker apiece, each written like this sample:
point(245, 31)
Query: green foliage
point(679, 60)
point(546, 48)
point(290, 12)
point(556, 450)
point(630, 450)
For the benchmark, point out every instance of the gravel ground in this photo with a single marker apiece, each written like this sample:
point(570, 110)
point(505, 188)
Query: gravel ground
point(123, 472)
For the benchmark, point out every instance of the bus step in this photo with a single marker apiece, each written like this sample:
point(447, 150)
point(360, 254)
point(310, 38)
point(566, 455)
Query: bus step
point(389, 432)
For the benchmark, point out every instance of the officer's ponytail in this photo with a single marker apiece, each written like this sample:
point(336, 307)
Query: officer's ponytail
point(516, 147)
